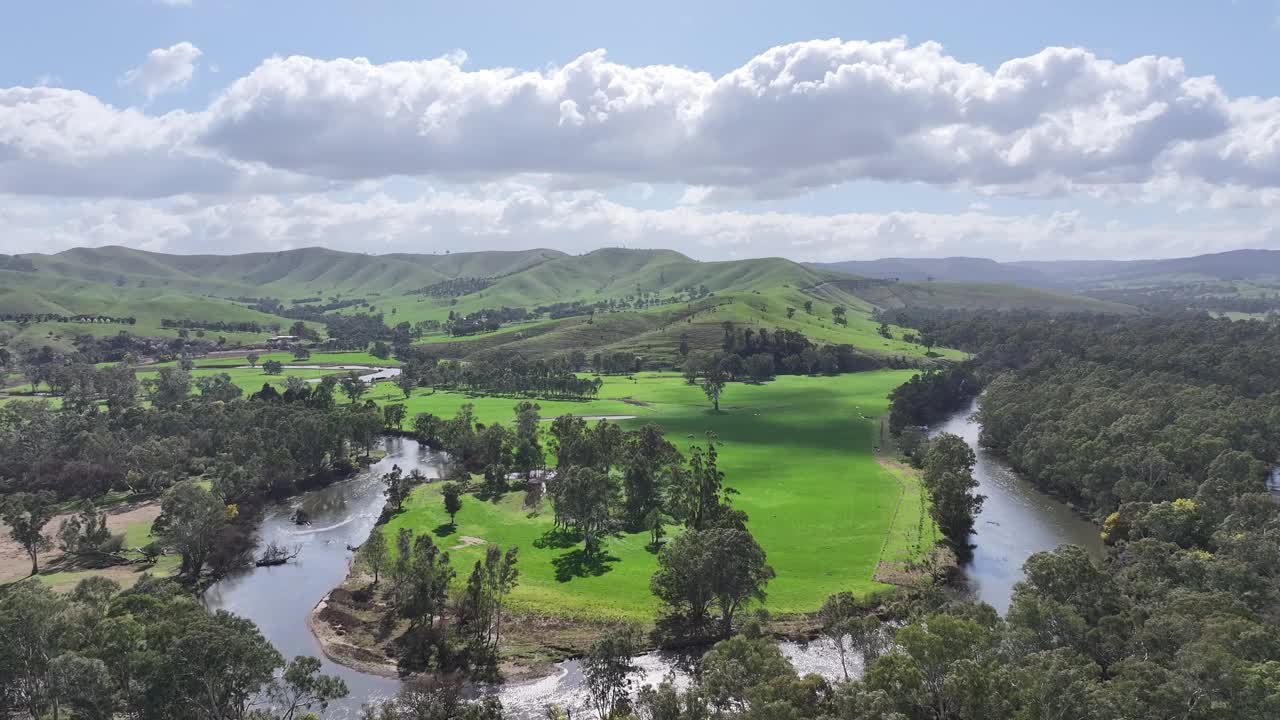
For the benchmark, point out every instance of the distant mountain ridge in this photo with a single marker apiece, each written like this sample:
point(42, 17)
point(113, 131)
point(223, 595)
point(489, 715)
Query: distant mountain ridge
point(1070, 274)
point(952, 269)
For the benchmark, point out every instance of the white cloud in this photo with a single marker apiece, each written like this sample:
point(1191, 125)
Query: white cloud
point(794, 118)
point(65, 142)
point(513, 216)
point(164, 70)
point(805, 115)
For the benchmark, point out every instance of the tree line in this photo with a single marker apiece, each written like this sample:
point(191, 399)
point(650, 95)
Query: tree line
point(454, 287)
point(214, 325)
point(89, 318)
point(103, 439)
point(1106, 411)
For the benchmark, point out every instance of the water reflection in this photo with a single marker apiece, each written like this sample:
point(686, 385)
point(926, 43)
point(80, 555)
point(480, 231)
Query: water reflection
point(279, 598)
point(1016, 521)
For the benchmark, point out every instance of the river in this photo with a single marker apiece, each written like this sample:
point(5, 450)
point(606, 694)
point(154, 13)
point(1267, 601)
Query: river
point(1015, 522)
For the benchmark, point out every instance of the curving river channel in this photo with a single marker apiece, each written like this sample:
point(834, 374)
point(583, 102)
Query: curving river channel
point(1015, 522)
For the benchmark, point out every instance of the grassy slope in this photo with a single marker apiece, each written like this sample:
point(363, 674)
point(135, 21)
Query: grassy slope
point(976, 296)
point(287, 274)
point(31, 292)
point(796, 448)
point(749, 292)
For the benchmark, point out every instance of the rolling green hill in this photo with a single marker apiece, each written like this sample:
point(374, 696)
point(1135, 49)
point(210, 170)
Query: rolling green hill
point(982, 296)
point(658, 297)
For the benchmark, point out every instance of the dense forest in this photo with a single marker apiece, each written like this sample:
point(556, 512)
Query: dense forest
point(1163, 428)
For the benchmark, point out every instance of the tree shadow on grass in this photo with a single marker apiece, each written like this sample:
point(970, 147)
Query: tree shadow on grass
point(577, 563)
point(558, 538)
point(445, 529)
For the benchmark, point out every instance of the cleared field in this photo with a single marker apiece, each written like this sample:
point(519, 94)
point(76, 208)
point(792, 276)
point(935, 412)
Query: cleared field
point(798, 449)
point(249, 379)
point(287, 358)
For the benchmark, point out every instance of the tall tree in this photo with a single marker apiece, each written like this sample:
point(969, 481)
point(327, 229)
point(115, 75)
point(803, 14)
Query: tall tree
point(26, 514)
point(948, 477)
point(720, 567)
point(373, 553)
point(584, 497)
point(713, 382)
point(607, 670)
point(352, 386)
point(452, 493)
point(190, 520)
point(407, 380)
point(393, 416)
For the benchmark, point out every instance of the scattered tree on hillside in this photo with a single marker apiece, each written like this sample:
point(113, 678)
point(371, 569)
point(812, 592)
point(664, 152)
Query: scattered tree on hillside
point(698, 497)
point(713, 382)
point(407, 380)
point(808, 306)
point(272, 367)
point(352, 386)
point(452, 493)
point(252, 358)
point(26, 514)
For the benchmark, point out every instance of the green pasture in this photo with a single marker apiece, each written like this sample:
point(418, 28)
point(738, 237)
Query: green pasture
point(799, 450)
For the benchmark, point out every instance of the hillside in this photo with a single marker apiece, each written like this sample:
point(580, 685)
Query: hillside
point(305, 272)
point(951, 269)
point(636, 301)
point(980, 296)
point(1224, 266)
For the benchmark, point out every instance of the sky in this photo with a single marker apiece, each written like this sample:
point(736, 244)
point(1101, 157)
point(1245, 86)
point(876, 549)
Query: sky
point(811, 130)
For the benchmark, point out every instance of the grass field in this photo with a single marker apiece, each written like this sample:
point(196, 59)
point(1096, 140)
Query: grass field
point(319, 358)
point(249, 379)
point(797, 448)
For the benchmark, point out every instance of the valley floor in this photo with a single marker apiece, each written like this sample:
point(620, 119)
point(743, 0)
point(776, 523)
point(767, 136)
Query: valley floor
point(801, 451)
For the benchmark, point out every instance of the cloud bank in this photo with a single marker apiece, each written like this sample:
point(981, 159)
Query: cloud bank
point(794, 118)
point(293, 154)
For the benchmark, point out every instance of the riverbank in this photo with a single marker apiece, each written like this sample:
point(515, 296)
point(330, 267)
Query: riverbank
point(350, 624)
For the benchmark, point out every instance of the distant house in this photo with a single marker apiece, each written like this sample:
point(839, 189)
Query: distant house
point(282, 341)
